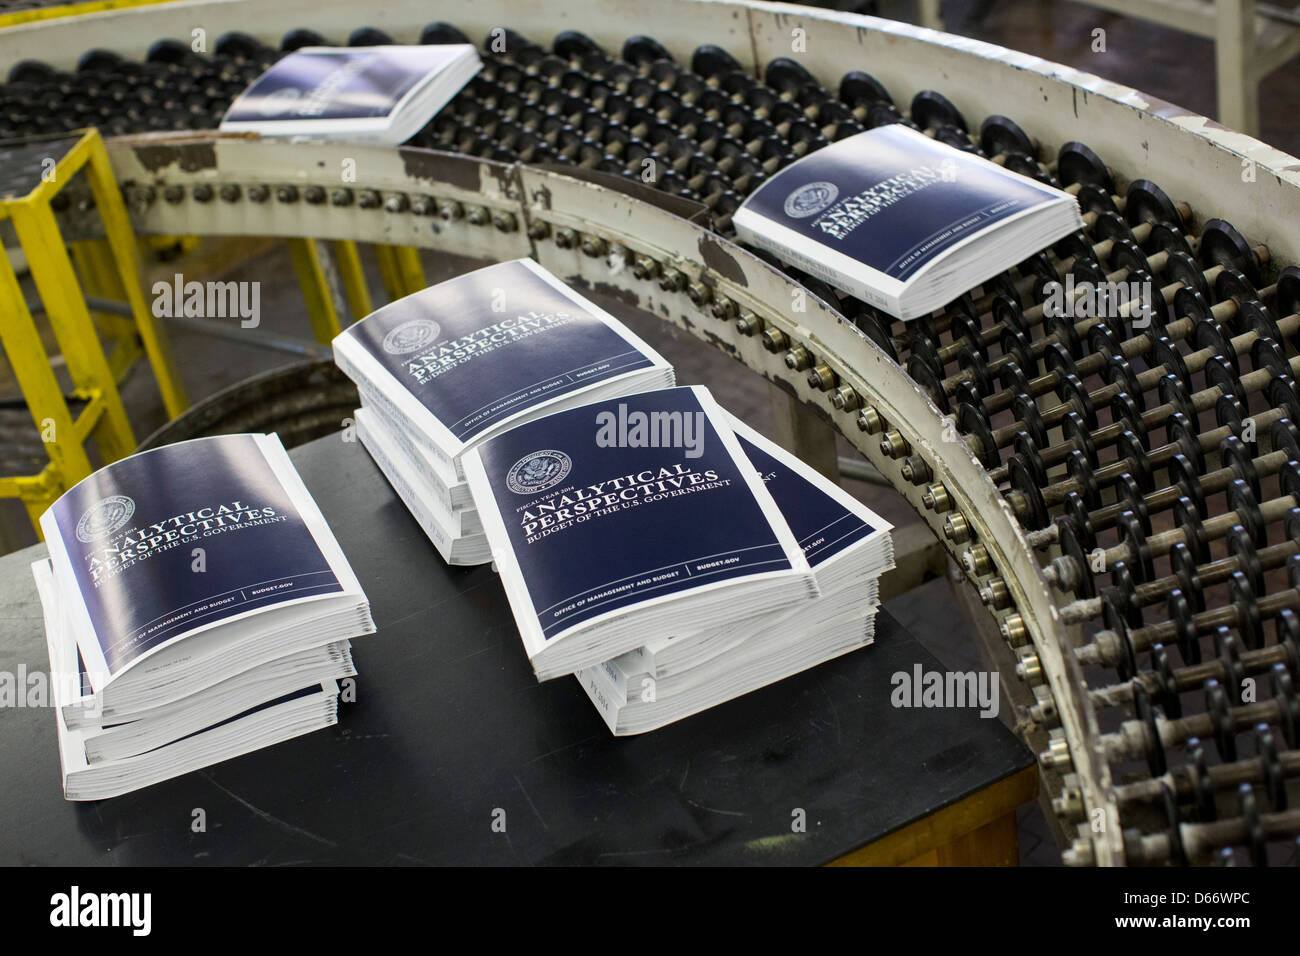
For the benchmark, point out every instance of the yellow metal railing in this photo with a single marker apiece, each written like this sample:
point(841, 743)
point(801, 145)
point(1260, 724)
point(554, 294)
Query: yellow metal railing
point(110, 265)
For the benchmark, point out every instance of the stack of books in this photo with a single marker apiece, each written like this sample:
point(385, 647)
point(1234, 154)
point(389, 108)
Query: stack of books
point(847, 546)
point(670, 557)
point(196, 608)
point(445, 369)
point(378, 95)
point(650, 544)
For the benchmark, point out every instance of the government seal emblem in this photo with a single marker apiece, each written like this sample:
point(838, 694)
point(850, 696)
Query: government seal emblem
point(411, 336)
point(103, 518)
point(538, 471)
point(810, 199)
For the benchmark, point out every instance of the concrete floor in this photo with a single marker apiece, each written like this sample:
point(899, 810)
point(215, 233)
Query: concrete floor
point(1163, 62)
point(1166, 63)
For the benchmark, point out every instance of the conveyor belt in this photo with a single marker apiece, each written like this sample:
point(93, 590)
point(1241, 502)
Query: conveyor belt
point(1123, 492)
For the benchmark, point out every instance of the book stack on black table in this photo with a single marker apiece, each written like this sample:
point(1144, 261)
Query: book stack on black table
point(196, 607)
point(444, 369)
point(670, 557)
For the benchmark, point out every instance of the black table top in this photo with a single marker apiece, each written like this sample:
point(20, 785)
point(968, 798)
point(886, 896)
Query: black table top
point(450, 727)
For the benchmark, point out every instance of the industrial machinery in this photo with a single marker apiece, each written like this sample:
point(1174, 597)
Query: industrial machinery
point(1121, 491)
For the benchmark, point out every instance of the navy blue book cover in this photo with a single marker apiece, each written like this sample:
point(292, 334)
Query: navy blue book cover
point(130, 531)
point(339, 84)
point(480, 348)
point(890, 198)
point(597, 525)
point(822, 526)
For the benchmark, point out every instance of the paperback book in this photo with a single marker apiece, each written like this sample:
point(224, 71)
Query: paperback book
point(847, 546)
point(377, 94)
point(457, 533)
point(903, 221)
point(630, 519)
point(189, 587)
point(447, 368)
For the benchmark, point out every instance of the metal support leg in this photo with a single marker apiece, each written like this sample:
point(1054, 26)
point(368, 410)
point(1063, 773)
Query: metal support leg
point(315, 289)
point(928, 13)
point(799, 431)
point(353, 277)
point(389, 272)
point(1234, 50)
point(97, 272)
point(40, 387)
point(409, 269)
point(56, 282)
point(125, 258)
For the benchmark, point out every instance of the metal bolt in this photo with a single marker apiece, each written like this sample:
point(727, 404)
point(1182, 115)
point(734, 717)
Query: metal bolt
point(1030, 669)
point(505, 221)
point(174, 193)
point(202, 193)
point(956, 528)
point(976, 561)
point(286, 194)
point(314, 195)
point(478, 216)
point(1069, 804)
point(341, 196)
point(936, 498)
point(644, 267)
point(566, 238)
point(698, 293)
point(870, 421)
point(748, 323)
point(229, 192)
point(422, 205)
point(798, 358)
point(1057, 754)
point(1014, 631)
point(449, 210)
point(916, 470)
point(996, 594)
point(672, 280)
point(1079, 854)
point(259, 193)
point(397, 202)
point(774, 340)
point(538, 230)
point(846, 398)
point(724, 310)
point(894, 444)
point(594, 246)
point(821, 377)
point(368, 199)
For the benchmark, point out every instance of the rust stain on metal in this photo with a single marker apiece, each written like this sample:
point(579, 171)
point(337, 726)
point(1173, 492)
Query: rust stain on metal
point(191, 157)
point(626, 296)
point(507, 177)
point(782, 384)
point(432, 166)
point(719, 259)
point(718, 342)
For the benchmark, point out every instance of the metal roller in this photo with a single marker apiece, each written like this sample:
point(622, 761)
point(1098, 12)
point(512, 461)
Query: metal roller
point(1121, 491)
